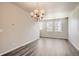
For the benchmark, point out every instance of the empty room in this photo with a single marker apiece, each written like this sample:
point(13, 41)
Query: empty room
point(39, 28)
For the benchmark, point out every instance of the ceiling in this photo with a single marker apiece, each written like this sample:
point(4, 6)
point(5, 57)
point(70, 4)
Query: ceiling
point(52, 9)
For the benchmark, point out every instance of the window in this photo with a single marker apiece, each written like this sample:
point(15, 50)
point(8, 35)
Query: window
point(49, 26)
point(41, 25)
point(58, 26)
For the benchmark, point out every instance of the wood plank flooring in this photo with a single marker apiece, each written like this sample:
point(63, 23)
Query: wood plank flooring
point(46, 47)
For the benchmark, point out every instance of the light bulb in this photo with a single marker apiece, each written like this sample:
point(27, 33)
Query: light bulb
point(36, 11)
point(42, 11)
point(34, 16)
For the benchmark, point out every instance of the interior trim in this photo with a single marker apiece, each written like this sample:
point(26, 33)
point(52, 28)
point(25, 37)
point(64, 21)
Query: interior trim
point(52, 38)
point(17, 47)
point(74, 45)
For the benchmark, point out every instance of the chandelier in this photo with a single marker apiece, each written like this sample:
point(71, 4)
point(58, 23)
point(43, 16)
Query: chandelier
point(38, 14)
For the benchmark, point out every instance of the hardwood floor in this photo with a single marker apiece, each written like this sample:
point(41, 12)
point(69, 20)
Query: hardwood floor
point(55, 47)
point(47, 47)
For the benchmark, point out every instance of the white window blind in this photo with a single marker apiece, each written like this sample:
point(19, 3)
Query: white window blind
point(49, 26)
point(41, 25)
point(58, 26)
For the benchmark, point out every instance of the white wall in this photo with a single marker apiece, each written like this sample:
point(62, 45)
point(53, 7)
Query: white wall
point(74, 27)
point(16, 27)
point(53, 34)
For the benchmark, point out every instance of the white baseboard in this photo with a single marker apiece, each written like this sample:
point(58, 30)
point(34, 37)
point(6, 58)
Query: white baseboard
point(74, 45)
point(17, 47)
point(52, 37)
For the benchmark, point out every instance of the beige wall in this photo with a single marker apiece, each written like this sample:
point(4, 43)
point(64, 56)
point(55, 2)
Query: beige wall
point(53, 34)
point(74, 27)
point(16, 27)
